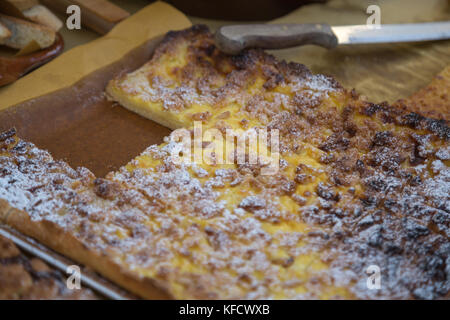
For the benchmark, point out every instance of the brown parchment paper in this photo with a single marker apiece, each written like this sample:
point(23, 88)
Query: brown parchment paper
point(153, 20)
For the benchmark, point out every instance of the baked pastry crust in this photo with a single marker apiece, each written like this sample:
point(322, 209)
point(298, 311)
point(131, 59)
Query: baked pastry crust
point(432, 101)
point(60, 240)
point(359, 184)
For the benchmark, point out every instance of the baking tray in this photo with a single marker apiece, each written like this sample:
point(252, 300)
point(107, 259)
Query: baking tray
point(88, 279)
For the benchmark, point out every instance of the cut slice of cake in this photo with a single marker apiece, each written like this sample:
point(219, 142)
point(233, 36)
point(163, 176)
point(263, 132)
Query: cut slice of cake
point(188, 79)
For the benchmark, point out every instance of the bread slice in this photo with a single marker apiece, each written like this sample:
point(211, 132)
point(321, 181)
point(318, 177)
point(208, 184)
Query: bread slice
point(4, 33)
point(24, 4)
point(98, 15)
point(23, 32)
point(43, 16)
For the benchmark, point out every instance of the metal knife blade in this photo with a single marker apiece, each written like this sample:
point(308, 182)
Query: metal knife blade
point(234, 38)
point(387, 33)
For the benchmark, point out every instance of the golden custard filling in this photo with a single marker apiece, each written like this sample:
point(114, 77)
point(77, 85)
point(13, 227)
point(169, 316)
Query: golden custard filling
point(357, 184)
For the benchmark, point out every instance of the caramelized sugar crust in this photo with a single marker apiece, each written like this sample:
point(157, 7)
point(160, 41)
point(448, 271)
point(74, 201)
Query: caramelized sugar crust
point(359, 184)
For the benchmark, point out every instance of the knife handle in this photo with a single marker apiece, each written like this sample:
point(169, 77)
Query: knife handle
point(235, 38)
